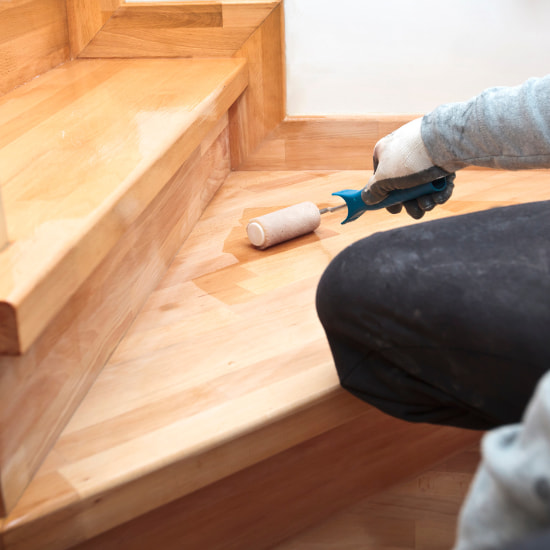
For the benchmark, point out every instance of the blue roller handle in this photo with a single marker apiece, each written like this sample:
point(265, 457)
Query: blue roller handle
point(356, 206)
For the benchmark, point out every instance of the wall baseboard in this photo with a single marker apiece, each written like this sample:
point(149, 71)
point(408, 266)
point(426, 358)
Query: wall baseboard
point(323, 143)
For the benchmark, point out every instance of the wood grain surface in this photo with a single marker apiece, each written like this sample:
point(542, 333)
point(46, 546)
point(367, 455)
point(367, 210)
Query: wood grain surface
point(263, 105)
point(178, 29)
point(281, 496)
point(41, 389)
point(322, 143)
point(225, 366)
point(83, 151)
point(85, 18)
point(418, 514)
point(33, 39)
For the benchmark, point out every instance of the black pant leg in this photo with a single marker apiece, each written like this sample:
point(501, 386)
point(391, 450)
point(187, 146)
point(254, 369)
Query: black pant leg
point(447, 321)
point(540, 541)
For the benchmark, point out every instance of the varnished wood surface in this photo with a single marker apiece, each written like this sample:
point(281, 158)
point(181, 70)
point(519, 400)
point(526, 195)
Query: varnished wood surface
point(270, 501)
point(83, 150)
point(249, 29)
point(178, 29)
point(322, 143)
point(40, 390)
point(3, 226)
point(33, 39)
point(417, 514)
point(263, 105)
point(226, 364)
point(85, 19)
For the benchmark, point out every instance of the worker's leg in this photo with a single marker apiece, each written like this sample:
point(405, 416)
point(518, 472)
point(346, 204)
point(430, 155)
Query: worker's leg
point(540, 541)
point(447, 321)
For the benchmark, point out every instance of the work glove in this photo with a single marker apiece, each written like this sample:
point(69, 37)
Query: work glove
point(401, 161)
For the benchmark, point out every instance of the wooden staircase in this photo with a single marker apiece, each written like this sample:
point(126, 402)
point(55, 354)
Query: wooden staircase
point(106, 166)
point(162, 382)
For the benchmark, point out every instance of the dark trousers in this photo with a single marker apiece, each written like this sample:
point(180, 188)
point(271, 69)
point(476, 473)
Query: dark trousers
point(446, 322)
point(540, 541)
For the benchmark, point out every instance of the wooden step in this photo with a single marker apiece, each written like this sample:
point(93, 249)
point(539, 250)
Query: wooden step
point(223, 388)
point(106, 165)
point(83, 150)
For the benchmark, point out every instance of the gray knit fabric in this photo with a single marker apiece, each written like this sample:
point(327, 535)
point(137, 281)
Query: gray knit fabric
point(510, 496)
point(507, 128)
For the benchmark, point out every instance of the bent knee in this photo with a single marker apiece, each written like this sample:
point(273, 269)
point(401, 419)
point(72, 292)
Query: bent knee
point(356, 279)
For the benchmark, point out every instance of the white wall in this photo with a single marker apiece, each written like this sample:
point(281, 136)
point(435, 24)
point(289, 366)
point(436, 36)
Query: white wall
point(407, 56)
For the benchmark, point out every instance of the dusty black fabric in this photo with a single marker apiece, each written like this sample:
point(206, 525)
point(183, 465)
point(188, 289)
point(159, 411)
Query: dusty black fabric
point(540, 541)
point(445, 322)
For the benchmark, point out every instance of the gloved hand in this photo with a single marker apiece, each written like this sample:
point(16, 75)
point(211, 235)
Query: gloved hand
point(401, 161)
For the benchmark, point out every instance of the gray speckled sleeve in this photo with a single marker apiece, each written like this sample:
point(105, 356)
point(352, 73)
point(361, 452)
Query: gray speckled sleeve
point(509, 498)
point(506, 128)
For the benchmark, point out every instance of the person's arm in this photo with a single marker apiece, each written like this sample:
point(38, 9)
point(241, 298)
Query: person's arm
point(507, 127)
point(509, 498)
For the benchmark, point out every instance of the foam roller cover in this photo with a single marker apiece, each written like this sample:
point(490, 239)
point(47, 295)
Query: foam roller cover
point(283, 225)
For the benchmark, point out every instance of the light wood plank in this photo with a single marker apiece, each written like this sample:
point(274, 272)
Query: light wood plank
point(3, 225)
point(323, 143)
point(125, 125)
point(252, 30)
point(264, 504)
point(33, 39)
point(417, 514)
point(42, 388)
point(187, 29)
point(85, 19)
point(262, 107)
point(226, 365)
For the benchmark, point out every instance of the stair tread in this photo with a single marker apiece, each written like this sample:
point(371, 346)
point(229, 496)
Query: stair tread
point(224, 366)
point(79, 155)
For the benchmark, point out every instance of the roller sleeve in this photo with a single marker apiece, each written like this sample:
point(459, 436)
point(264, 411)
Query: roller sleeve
point(283, 225)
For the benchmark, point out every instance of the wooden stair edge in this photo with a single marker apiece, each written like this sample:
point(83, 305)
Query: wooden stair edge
point(105, 504)
point(293, 490)
point(22, 304)
point(220, 27)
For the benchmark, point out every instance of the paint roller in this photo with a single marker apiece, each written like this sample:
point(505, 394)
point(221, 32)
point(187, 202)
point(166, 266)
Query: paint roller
point(305, 217)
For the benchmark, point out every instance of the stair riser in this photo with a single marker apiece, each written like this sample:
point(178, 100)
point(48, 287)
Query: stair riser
point(35, 39)
point(41, 389)
point(281, 496)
